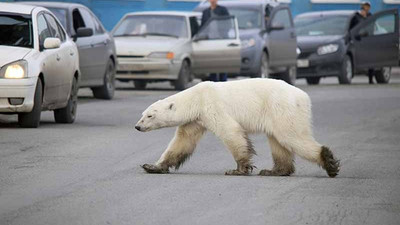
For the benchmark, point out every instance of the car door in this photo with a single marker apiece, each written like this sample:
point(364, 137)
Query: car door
point(98, 52)
point(376, 41)
point(281, 38)
point(84, 47)
point(49, 63)
point(65, 66)
point(216, 47)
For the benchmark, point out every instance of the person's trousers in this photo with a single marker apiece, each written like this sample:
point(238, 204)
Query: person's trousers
point(218, 77)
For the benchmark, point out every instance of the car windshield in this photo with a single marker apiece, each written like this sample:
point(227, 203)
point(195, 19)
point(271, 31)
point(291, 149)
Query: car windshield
point(247, 18)
point(143, 25)
point(16, 30)
point(321, 26)
point(61, 15)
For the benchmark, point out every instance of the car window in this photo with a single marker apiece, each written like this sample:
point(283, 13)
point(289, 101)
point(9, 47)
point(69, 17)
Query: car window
point(54, 28)
point(77, 20)
point(382, 25)
point(61, 15)
point(98, 28)
point(219, 29)
point(247, 18)
point(43, 29)
point(87, 17)
point(194, 25)
point(321, 25)
point(282, 17)
point(16, 30)
point(159, 25)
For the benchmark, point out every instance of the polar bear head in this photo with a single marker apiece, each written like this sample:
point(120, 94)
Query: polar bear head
point(158, 115)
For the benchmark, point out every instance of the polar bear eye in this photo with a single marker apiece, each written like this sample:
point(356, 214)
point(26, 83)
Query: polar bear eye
point(149, 116)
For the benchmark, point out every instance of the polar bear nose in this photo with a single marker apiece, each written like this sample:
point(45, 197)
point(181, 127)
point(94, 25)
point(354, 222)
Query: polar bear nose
point(137, 128)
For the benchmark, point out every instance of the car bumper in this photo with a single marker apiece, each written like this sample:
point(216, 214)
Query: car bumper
point(250, 61)
point(319, 65)
point(16, 90)
point(147, 69)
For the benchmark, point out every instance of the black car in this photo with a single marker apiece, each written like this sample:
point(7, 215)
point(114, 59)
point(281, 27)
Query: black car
point(97, 58)
point(328, 46)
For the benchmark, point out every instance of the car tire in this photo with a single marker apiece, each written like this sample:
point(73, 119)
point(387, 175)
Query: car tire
point(106, 91)
point(313, 80)
point(184, 75)
point(68, 113)
point(263, 71)
point(383, 75)
point(32, 119)
point(290, 75)
point(140, 84)
point(346, 71)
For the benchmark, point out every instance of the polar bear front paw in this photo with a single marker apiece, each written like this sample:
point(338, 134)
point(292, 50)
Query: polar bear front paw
point(236, 173)
point(154, 169)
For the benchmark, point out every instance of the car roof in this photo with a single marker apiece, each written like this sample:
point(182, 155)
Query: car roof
point(167, 13)
point(328, 13)
point(16, 8)
point(273, 3)
point(62, 5)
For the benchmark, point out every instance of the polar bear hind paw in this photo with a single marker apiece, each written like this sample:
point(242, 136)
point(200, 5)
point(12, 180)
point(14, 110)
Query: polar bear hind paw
point(274, 173)
point(236, 173)
point(154, 169)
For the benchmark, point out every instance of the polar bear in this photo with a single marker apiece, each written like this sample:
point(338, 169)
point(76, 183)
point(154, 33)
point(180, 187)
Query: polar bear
point(233, 110)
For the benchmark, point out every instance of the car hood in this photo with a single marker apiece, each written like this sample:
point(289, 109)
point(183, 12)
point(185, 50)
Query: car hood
point(309, 43)
point(143, 46)
point(248, 33)
point(10, 54)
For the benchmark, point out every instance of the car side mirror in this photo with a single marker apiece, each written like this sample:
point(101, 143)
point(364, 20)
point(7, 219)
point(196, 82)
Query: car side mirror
point(200, 37)
point(361, 35)
point(51, 43)
point(84, 32)
point(276, 26)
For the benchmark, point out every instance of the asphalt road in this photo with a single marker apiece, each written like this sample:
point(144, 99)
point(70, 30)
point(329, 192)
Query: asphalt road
point(89, 172)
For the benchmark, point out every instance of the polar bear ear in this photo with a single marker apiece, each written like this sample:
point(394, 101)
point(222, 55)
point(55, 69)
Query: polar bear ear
point(171, 106)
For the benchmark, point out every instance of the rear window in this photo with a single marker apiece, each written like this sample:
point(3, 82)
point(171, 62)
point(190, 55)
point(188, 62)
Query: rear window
point(16, 30)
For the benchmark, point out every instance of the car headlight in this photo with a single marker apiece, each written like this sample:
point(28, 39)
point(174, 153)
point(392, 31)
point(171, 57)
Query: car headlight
point(326, 49)
point(162, 55)
point(247, 43)
point(15, 70)
point(298, 51)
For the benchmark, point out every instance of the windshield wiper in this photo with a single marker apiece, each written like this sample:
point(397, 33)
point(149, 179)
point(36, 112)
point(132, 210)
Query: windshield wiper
point(160, 34)
point(130, 35)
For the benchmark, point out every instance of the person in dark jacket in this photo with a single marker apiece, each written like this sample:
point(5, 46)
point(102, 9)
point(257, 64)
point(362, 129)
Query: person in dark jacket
point(215, 10)
point(358, 18)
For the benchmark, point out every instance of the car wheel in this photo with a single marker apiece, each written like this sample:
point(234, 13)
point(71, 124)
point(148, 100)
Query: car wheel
point(184, 76)
point(68, 113)
point(383, 75)
point(107, 90)
point(263, 71)
point(346, 71)
point(313, 80)
point(140, 84)
point(32, 119)
point(290, 75)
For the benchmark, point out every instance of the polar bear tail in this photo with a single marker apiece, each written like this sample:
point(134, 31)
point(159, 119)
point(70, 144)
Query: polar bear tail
point(329, 162)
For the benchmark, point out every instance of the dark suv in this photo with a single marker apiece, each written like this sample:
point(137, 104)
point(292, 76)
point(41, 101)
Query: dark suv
point(267, 36)
point(330, 47)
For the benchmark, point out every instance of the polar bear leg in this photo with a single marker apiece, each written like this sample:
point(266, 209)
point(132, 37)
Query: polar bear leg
point(236, 140)
point(283, 160)
point(307, 148)
point(179, 149)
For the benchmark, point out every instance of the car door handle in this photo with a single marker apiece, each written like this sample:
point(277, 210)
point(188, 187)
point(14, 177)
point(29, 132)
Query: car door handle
point(233, 45)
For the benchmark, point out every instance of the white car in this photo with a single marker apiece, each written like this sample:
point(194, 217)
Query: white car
point(39, 65)
point(170, 46)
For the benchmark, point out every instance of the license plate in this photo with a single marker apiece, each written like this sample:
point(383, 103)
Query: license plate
point(302, 63)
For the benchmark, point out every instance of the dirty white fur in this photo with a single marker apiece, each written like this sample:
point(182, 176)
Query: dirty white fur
point(232, 110)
